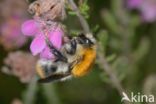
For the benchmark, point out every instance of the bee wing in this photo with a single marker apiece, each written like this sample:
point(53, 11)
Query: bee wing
point(53, 77)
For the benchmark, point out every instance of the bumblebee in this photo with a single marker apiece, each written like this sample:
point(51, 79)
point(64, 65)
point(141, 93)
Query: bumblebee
point(73, 60)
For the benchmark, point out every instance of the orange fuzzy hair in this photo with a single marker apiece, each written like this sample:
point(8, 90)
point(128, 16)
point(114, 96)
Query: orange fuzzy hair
point(84, 66)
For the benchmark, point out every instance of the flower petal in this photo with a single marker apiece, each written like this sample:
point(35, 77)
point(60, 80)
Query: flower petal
point(134, 3)
point(148, 11)
point(29, 28)
point(46, 54)
point(56, 37)
point(38, 44)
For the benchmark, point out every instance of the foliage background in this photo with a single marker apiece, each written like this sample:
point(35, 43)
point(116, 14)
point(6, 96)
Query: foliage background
point(95, 88)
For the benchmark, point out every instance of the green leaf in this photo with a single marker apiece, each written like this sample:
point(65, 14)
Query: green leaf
point(142, 49)
point(111, 57)
point(120, 66)
point(95, 28)
point(75, 32)
point(84, 8)
point(110, 21)
point(103, 38)
point(72, 13)
point(105, 78)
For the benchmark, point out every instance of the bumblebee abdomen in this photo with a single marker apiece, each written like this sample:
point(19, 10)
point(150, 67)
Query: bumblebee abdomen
point(83, 67)
point(40, 71)
point(45, 69)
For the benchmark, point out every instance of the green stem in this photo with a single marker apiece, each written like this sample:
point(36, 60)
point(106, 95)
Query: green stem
point(29, 95)
point(50, 93)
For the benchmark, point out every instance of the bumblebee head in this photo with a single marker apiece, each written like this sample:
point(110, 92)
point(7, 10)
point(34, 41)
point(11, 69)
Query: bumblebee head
point(86, 40)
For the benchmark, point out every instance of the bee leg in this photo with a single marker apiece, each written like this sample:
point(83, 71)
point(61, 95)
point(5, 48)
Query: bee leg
point(56, 53)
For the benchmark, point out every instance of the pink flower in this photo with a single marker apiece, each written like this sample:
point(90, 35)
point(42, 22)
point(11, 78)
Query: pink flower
point(10, 36)
point(146, 7)
point(148, 10)
point(134, 3)
point(38, 46)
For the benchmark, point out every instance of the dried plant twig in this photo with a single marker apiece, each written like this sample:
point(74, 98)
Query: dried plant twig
point(108, 69)
point(82, 20)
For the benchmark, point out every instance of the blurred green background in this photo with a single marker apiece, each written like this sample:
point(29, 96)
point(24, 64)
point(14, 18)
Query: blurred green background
point(95, 88)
